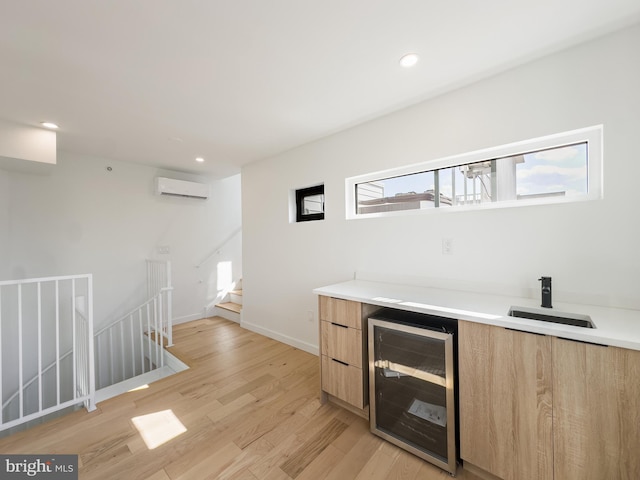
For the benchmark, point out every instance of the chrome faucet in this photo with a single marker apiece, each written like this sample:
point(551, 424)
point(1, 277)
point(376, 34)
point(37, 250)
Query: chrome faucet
point(545, 292)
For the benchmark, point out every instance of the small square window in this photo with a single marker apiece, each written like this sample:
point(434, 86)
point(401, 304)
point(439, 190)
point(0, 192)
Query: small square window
point(310, 203)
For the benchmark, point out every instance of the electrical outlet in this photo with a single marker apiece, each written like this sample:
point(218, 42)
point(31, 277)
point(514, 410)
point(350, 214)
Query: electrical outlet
point(309, 316)
point(447, 246)
point(164, 249)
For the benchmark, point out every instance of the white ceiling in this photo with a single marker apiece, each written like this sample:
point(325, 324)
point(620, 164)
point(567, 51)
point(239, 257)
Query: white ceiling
point(160, 82)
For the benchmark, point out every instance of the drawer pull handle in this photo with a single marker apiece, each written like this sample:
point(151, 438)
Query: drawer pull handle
point(340, 362)
point(338, 325)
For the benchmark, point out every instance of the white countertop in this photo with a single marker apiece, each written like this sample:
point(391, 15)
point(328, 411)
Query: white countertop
point(615, 327)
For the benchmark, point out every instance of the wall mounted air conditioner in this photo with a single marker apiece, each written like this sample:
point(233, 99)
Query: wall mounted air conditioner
point(181, 188)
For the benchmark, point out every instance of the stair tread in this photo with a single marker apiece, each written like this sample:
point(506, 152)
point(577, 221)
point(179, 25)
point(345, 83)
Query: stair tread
point(236, 292)
point(234, 307)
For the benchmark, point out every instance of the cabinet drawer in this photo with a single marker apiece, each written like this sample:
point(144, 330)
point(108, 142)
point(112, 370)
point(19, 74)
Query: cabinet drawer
point(342, 343)
point(342, 381)
point(343, 312)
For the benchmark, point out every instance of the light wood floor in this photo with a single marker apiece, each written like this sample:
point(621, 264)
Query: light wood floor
point(251, 411)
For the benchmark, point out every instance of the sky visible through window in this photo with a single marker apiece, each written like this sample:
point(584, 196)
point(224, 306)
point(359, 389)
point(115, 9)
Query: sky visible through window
point(562, 169)
point(554, 170)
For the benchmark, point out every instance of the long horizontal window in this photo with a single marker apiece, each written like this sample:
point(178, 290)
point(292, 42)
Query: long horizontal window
point(553, 169)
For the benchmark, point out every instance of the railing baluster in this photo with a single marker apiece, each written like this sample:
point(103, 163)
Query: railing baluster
point(1, 371)
point(141, 340)
point(169, 306)
point(20, 396)
point(155, 327)
point(133, 351)
point(97, 343)
point(158, 327)
point(58, 380)
point(92, 367)
point(170, 317)
point(149, 335)
point(39, 346)
point(80, 386)
point(122, 352)
point(160, 339)
point(111, 355)
point(73, 344)
point(83, 357)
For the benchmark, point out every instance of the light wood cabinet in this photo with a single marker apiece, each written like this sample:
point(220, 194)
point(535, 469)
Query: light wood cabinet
point(341, 312)
point(343, 366)
point(505, 401)
point(596, 411)
point(341, 343)
point(343, 381)
point(540, 407)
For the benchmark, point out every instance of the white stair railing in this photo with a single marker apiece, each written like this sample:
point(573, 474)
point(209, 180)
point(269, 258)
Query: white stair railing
point(133, 344)
point(159, 279)
point(39, 320)
point(47, 344)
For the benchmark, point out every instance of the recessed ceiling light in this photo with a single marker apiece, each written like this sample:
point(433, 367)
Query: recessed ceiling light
point(50, 125)
point(199, 159)
point(409, 60)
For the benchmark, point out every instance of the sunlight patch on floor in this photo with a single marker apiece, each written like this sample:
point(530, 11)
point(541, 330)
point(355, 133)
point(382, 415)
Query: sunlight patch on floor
point(141, 387)
point(158, 428)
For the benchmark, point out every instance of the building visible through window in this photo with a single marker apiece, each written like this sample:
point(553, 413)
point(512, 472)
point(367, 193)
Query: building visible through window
point(310, 203)
point(550, 172)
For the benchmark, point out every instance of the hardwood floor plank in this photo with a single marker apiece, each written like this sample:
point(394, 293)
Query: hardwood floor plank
point(312, 448)
point(248, 457)
point(223, 411)
point(159, 475)
point(355, 459)
point(278, 455)
point(272, 417)
point(277, 475)
point(246, 475)
point(248, 387)
point(209, 443)
point(251, 409)
point(379, 465)
point(320, 467)
point(213, 464)
point(358, 429)
point(405, 467)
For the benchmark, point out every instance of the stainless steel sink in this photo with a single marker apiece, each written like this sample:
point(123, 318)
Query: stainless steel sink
point(564, 318)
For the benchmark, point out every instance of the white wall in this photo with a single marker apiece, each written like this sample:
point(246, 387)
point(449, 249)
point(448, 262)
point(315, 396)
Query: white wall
point(4, 217)
point(590, 249)
point(82, 218)
point(27, 143)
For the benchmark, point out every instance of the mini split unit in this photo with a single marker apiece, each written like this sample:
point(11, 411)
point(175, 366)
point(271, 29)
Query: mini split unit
point(181, 188)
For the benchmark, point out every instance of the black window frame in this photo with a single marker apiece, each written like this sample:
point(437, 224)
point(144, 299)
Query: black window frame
point(303, 193)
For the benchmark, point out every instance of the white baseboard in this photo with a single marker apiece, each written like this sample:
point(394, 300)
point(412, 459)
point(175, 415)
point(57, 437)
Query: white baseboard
point(188, 318)
point(294, 342)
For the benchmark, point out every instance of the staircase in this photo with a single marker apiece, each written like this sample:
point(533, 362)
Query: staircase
point(51, 360)
point(46, 347)
point(231, 305)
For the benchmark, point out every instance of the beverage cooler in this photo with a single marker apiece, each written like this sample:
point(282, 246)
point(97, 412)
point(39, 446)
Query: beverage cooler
point(412, 384)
